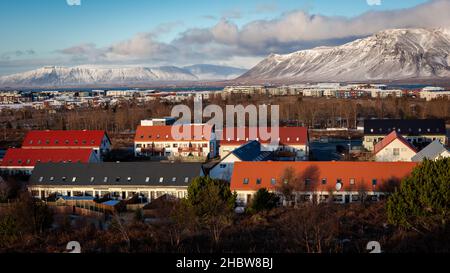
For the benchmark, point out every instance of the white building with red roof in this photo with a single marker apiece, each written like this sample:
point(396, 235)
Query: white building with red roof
point(292, 142)
point(394, 148)
point(71, 139)
point(23, 161)
point(195, 141)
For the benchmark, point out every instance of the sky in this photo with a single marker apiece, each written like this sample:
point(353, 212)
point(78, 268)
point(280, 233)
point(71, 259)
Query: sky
point(237, 33)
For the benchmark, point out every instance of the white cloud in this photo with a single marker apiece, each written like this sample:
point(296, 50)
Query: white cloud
point(374, 2)
point(73, 2)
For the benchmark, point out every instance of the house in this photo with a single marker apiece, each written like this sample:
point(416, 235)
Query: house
point(82, 139)
point(433, 151)
point(419, 132)
point(250, 151)
point(393, 148)
point(158, 121)
point(148, 180)
point(191, 141)
point(344, 182)
point(23, 161)
point(293, 142)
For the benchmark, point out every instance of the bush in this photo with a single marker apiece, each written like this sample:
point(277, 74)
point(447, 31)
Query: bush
point(264, 200)
point(424, 198)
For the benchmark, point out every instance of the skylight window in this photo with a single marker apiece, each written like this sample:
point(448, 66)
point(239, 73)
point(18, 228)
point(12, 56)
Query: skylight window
point(186, 180)
point(92, 179)
point(129, 179)
point(174, 179)
point(105, 179)
point(147, 179)
point(246, 180)
point(74, 179)
point(161, 179)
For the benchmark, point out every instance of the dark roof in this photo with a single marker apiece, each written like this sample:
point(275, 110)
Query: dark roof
point(249, 151)
point(117, 174)
point(405, 126)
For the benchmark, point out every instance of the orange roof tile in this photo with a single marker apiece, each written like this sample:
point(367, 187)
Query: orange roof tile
point(63, 139)
point(353, 175)
point(287, 135)
point(30, 157)
point(201, 132)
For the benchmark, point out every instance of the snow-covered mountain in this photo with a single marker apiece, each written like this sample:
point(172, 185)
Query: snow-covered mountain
point(84, 75)
point(396, 54)
point(215, 72)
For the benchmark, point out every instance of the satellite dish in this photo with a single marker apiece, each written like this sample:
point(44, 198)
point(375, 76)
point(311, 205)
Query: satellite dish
point(338, 186)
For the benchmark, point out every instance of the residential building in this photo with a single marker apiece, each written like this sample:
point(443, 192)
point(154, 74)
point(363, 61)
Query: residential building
point(292, 143)
point(23, 161)
point(394, 148)
point(434, 151)
point(250, 151)
point(115, 180)
point(83, 139)
point(344, 182)
point(419, 132)
point(192, 141)
point(431, 93)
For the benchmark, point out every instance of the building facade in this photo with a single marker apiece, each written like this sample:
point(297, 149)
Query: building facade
point(190, 141)
point(394, 148)
point(293, 142)
point(418, 132)
point(344, 182)
point(115, 180)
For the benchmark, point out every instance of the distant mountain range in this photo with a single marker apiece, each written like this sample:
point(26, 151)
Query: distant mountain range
point(398, 54)
point(97, 75)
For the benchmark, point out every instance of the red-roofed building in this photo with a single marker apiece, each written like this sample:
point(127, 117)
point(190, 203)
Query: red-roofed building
point(193, 140)
point(394, 148)
point(23, 161)
point(82, 139)
point(293, 142)
point(344, 181)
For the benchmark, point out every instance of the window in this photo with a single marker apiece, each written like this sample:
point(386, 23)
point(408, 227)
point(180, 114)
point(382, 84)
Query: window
point(352, 181)
point(118, 179)
point(52, 178)
point(258, 181)
point(174, 179)
point(246, 180)
point(161, 179)
point(273, 181)
point(223, 166)
point(374, 182)
point(186, 180)
point(175, 145)
point(147, 179)
point(324, 181)
point(286, 181)
point(67, 141)
point(92, 179)
point(129, 179)
point(41, 179)
point(105, 179)
point(74, 179)
point(56, 141)
point(307, 181)
point(396, 151)
point(64, 178)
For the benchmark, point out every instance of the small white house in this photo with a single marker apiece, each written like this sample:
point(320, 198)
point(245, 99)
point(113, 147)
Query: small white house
point(394, 148)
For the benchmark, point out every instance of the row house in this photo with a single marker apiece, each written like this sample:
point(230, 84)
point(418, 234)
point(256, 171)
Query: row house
point(292, 143)
point(394, 148)
point(418, 132)
point(120, 181)
point(23, 161)
point(191, 141)
point(71, 139)
point(342, 182)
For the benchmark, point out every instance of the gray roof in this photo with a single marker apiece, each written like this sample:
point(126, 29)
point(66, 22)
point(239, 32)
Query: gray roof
point(117, 174)
point(432, 151)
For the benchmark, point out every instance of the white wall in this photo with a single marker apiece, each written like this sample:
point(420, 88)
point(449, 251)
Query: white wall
point(387, 154)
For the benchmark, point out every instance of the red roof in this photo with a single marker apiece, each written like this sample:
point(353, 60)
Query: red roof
point(323, 175)
point(30, 157)
point(287, 136)
point(63, 139)
point(389, 139)
point(200, 132)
